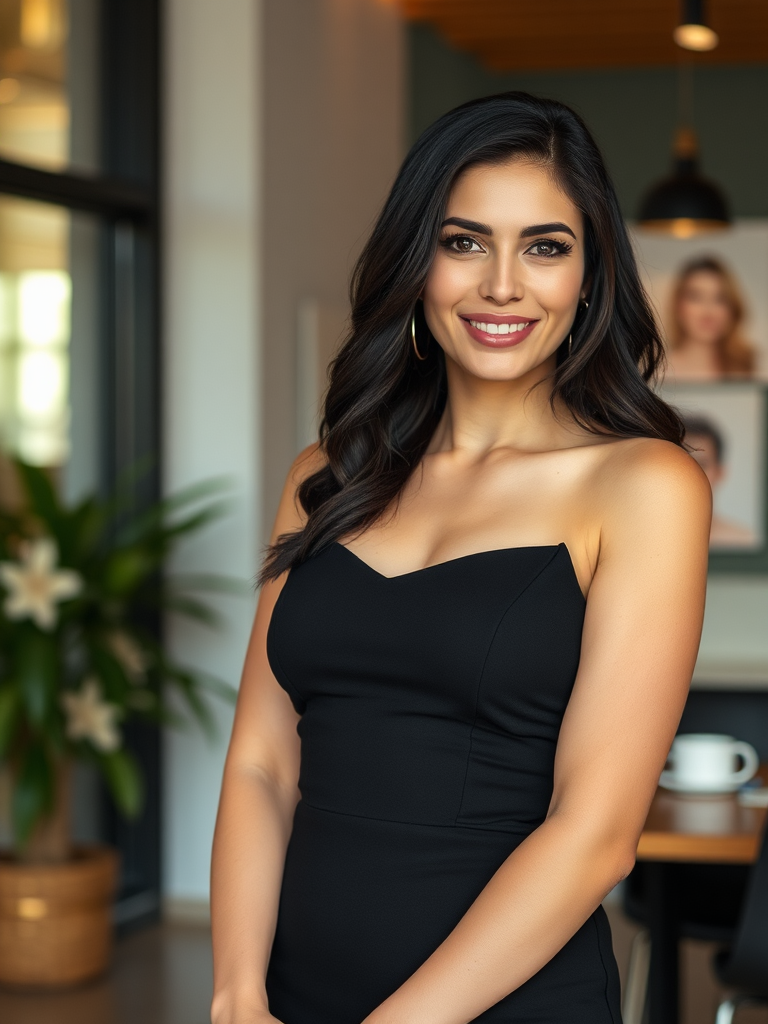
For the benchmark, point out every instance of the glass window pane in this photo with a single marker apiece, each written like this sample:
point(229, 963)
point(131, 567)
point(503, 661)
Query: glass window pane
point(48, 337)
point(48, 86)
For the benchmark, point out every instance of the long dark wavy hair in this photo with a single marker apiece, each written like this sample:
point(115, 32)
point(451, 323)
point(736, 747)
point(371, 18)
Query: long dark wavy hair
point(383, 405)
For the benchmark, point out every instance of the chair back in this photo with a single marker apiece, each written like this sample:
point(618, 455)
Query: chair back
point(746, 965)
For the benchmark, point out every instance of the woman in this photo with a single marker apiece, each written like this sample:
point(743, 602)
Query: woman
point(705, 339)
point(480, 612)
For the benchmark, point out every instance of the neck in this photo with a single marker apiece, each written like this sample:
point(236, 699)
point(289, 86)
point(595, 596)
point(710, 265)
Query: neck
point(481, 415)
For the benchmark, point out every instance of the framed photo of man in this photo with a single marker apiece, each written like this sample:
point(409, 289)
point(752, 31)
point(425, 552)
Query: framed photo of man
point(727, 429)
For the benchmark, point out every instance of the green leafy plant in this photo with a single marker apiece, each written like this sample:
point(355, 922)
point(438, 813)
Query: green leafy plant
point(82, 588)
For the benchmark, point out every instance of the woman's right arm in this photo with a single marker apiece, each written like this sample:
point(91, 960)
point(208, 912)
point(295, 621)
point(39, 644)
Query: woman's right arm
point(258, 796)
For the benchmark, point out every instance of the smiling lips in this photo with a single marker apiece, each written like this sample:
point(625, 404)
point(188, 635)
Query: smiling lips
point(497, 331)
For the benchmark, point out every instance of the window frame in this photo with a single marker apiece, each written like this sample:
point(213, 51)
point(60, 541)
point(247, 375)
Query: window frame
point(125, 197)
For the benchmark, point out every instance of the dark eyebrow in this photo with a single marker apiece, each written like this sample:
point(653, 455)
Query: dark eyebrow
point(468, 225)
point(546, 229)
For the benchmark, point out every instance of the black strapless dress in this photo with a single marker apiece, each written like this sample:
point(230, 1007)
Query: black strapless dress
point(430, 709)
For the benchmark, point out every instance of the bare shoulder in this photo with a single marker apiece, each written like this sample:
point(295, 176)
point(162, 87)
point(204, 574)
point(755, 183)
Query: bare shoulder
point(290, 514)
point(648, 485)
point(307, 462)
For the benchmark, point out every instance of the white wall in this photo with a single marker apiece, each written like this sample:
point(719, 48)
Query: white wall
point(294, 107)
point(736, 622)
point(211, 365)
point(334, 89)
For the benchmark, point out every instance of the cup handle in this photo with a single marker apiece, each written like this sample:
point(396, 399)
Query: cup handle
point(751, 761)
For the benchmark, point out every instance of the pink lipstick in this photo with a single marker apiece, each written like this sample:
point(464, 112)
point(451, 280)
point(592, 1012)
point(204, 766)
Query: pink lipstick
point(496, 330)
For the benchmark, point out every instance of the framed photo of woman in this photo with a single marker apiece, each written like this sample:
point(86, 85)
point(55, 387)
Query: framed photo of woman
point(711, 295)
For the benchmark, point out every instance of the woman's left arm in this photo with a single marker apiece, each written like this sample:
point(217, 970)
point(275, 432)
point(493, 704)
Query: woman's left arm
point(641, 635)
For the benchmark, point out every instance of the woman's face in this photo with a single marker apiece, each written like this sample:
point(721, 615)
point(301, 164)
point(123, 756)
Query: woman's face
point(505, 284)
point(704, 314)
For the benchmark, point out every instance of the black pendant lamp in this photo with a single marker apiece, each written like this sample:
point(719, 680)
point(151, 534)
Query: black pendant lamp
point(685, 203)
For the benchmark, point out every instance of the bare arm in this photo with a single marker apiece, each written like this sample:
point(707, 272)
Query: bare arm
point(258, 796)
point(641, 634)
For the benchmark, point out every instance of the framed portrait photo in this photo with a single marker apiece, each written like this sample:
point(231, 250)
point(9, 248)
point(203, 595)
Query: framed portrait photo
point(710, 293)
point(727, 427)
point(711, 296)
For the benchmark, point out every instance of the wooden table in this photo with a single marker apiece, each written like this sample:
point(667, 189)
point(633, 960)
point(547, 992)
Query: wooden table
point(690, 829)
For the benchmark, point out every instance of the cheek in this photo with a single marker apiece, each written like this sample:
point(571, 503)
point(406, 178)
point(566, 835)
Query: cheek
point(446, 284)
point(556, 289)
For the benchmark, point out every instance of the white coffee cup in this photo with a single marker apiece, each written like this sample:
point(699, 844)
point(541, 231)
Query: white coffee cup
point(706, 763)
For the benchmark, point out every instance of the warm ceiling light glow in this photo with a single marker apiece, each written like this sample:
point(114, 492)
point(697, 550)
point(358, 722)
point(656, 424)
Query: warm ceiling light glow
point(42, 24)
point(693, 32)
point(695, 37)
point(9, 90)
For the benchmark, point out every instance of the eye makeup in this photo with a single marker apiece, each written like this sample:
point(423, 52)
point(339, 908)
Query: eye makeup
point(450, 243)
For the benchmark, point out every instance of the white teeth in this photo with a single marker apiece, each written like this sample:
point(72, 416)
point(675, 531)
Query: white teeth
point(497, 328)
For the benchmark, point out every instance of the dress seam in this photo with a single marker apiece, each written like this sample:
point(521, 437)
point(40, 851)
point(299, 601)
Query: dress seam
point(605, 969)
point(417, 824)
point(482, 673)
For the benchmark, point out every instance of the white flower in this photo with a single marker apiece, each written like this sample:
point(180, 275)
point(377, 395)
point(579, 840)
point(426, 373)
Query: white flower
point(91, 718)
point(34, 584)
point(130, 655)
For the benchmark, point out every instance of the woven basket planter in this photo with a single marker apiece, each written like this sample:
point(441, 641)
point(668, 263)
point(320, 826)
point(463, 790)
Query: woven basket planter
point(56, 919)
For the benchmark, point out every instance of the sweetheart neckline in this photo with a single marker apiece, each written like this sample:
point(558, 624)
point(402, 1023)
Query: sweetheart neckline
point(463, 558)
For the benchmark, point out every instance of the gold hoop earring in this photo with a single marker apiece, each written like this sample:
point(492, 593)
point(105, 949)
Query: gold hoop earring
point(413, 337)
point(570, 336)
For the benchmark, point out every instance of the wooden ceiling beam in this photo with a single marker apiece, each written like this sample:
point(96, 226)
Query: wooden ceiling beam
point(598, 61)
point(547, 34)
point(626, 28)
point(511, 9)
point(638, 41)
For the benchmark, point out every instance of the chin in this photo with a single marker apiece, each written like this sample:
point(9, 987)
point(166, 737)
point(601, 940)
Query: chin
point(499, 370)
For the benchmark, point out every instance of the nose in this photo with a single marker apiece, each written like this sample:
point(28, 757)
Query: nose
point(502, 283)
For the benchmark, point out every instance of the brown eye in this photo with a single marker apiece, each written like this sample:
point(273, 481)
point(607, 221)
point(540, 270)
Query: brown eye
point(549, 248)
point(461, 244)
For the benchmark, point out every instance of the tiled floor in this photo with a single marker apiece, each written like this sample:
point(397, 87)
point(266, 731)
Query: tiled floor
point(163, 976)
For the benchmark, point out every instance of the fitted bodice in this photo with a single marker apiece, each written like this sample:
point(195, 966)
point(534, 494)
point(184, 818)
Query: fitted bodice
point(433, 697)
